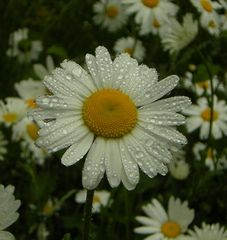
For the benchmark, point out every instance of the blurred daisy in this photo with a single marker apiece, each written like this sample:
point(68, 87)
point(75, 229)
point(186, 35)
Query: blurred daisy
point(12, 111)
point(41, 71)
point(153, 25)
point(224, 16)
point(110, 14)
point(209, 18)
point(175, 36)
point(29, 90)
point(100, 198)
point(203, 86)
point(208, 232)
point(160, 224)
point(8, 208)
point(26, 131)
point(147, 10)
point(199, 117)
point(178, 168)
point(211, 158)
point(112, 114)
point(131, 46)
point(3, 149)
point(23, 48)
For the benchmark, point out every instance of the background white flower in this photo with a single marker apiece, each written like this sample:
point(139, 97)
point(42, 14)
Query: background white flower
point(110, 14)
point(160, 224)
point(199, 117)
point(100, 199)
point(133, 47)
point(208, 232)
point(175, 36)
point(8, 208)
point(21, 47)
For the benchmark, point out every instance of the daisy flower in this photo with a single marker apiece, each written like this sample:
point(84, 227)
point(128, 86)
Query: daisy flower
point(152, 25)
point(100, 198)
point(12, 111)
point(202, 87)
point(160, 224)
point(3, 149)
point(147, 10)
point(41, 71)
point(132, 46)
point(175, 36)
point(200, 114)
point(208, 232)
point(26, 131)
point(8, 208)
point(21, 47)
point(211, 158)
point(110, 14)
point(112, 115)
point(29, 90)
point(209, 18)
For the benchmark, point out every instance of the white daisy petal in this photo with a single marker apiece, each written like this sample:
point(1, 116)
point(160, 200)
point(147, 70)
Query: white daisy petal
point(130, 167)
point(125, 180)
point(92, 67)
point(77, 150)
point(94, 167)
point(4, 235)
point(160, 89)
point(175, 104)
point(162, 118)
point(79, 74)
point(113, 162)
point(104, 66)
point(167, 133)
point(144, 230)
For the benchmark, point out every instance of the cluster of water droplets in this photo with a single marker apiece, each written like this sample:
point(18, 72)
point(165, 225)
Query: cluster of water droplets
point(130, 166)
point(94, 167)
point(167, 133)
point(162, 118)
point(77, 150)
point(172, 104)
point(160, 89)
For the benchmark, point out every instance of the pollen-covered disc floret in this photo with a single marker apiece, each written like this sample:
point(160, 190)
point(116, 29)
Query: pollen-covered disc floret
point(109, 113)
point(112, 114)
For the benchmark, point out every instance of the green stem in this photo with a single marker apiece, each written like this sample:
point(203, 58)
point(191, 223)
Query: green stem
point(211, 100)
point(87, 214)
point(127, 214)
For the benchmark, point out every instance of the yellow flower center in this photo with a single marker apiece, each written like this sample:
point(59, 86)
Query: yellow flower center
point(31, 103)
point(112, 11)
point(48, 208)
point(10, 117)
point(109, 113)
point(156, 23)
point(150, 3)
point(210, 153)
point(203, 84)
point(171, 229)
point(129, 51)
point(32, 130)
point(206, 115)
point(212, 24)
point(96, 199)
point(206, 5)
